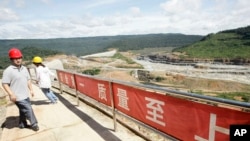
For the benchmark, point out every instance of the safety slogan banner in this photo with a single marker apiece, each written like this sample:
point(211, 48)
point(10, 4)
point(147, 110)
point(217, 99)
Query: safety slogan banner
point(180, 118)
point(96, 89)
point(66, 78)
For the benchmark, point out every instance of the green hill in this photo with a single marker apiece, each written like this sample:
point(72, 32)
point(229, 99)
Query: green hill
point(88, 45)
point(230, 44)
point(138, 42)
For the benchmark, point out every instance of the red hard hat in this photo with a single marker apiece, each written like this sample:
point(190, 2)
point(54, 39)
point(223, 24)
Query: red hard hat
point(15, 53)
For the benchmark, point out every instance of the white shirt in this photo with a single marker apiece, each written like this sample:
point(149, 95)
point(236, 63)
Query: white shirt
point(43, 76)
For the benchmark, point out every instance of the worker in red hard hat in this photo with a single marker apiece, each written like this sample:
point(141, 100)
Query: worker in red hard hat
point(16, 82)
point(15, 53)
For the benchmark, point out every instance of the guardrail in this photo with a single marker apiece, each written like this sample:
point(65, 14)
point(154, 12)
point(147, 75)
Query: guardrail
point(176, 115)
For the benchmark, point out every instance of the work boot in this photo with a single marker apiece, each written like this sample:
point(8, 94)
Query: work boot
point(35, 128)
point(21, 126)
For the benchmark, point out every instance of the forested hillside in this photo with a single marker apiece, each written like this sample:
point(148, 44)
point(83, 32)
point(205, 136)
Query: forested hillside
point(28, 53)
point(89, 45)
point(138, 42)
point(230, 44)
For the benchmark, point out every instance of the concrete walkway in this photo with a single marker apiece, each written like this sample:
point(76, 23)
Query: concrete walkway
point(63, 121)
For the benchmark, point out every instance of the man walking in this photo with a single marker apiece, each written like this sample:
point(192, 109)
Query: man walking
point(16, 82)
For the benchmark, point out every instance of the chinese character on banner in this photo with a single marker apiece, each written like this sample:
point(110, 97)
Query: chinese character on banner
point(102, 91)
point(123, 99)
point(213, 128)
point(155, 111)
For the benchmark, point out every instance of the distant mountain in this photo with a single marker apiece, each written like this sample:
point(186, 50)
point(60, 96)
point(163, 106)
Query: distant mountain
point(89, 45)
point(228, 44)
point(137, 42)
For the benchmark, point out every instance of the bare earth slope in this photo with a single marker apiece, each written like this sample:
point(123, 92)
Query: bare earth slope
point(187, 77)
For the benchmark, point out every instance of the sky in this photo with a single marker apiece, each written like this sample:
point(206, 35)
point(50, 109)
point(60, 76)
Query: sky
point(43, 19)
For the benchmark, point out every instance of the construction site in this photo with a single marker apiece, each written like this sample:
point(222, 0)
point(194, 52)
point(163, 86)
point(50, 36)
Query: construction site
point(183, 78)
point(199, 77)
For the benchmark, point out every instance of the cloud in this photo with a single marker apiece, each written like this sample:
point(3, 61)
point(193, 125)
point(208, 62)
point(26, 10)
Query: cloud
point(46, 1)
point(181, 6)
point(201, 16)
point(135, 11)
point(98, 3)
point(7, 14)
point(20, 3)
point(49, 19)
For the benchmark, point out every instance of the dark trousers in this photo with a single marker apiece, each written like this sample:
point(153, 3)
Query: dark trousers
point(26, 113)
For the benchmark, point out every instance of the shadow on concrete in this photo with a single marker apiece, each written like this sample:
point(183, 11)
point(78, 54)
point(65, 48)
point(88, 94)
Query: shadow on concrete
point(40, 102)
point(102, 131)
point(10, 122)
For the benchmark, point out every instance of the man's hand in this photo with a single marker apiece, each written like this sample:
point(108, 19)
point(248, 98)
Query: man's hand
point(32, 93)
point(12, 98)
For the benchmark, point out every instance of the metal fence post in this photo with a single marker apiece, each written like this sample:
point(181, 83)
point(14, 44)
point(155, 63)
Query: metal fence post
point(113, 105)
point(60, 83)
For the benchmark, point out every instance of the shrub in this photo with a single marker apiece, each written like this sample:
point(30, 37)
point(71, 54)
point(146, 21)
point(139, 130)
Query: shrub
point(94, 71)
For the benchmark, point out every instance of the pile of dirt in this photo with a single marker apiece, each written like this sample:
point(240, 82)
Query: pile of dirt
point(117, 75)
point(214, 85)
point(201, 84)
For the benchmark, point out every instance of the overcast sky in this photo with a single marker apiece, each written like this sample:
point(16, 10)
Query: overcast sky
point(30, 19)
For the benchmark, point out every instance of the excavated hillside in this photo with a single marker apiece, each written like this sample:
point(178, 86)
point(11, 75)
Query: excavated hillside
point(172, 76)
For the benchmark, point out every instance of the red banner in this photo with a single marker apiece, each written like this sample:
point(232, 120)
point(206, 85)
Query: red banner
point(180, 118)
point(96, 89)
point(66, 78)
